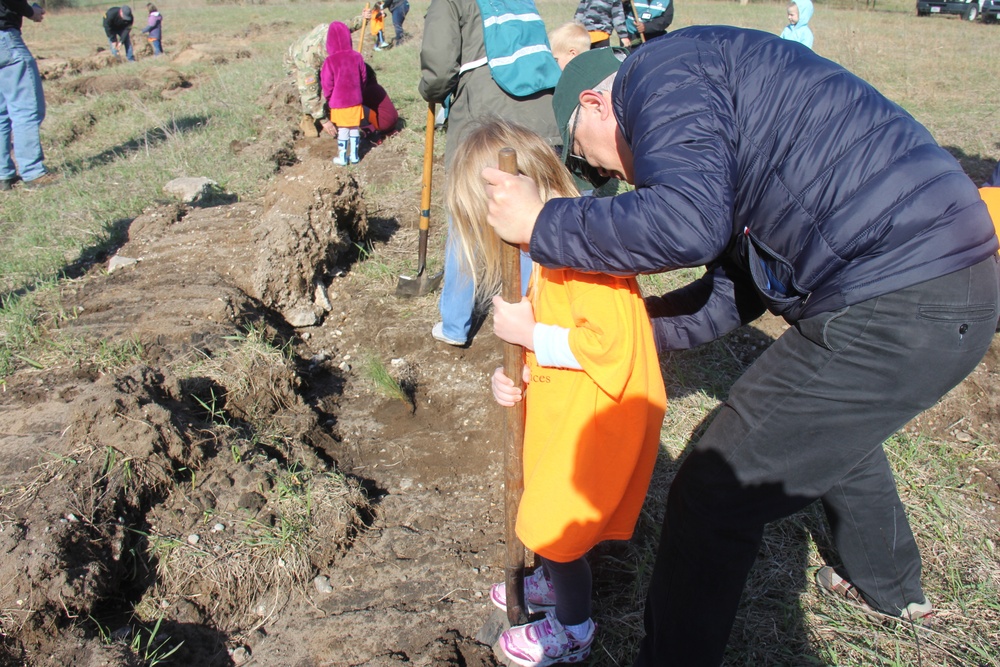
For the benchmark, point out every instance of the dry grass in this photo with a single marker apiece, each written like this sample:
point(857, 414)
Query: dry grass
point(248, 558)
point(243, 574)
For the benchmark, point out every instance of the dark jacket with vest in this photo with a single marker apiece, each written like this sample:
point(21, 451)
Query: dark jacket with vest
point(656, 17)
point(800, 187)
point(13, 13)
point(453, 37)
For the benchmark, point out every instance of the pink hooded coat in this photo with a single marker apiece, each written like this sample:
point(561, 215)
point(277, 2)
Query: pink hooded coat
point(343, 74)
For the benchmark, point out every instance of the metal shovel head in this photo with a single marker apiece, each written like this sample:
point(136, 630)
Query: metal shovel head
point(494, 626)
point(418, 285)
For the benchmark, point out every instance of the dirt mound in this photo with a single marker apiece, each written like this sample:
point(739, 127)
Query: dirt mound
point(254, 29)
point(197, 263)
point(69, 530)
point(138, 465)
point(98, 85)
point(51, 69)
point(312, 217)
point(214, 53)
point(165, 79)
point(185, 263)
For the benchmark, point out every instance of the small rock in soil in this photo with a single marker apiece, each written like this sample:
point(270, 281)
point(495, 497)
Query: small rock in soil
point(322, 583)
point(240, 655)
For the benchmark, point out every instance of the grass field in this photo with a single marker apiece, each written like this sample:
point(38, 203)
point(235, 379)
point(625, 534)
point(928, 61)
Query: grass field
point(116, 150)
point(936, 68)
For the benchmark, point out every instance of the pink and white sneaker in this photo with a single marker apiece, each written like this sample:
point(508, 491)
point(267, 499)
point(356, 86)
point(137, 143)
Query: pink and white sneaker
point(545, 642)
point(538, 593)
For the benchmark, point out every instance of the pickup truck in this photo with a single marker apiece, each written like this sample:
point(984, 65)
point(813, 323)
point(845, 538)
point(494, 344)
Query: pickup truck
point(990, 11)
point(967, 9)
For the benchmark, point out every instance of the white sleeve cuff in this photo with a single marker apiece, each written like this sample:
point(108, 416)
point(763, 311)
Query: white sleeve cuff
point(552, 347)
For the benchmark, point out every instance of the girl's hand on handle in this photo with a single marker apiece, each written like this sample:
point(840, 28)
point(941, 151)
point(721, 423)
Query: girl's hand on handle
point(504, 391)
point(514, 322)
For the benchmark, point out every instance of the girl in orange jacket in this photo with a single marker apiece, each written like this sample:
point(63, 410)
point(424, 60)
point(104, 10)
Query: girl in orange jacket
point(594, 401)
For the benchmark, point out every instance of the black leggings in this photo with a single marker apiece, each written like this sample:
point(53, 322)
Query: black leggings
point(573, 585)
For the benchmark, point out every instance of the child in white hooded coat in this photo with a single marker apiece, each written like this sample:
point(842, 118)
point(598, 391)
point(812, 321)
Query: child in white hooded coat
point(798, 30)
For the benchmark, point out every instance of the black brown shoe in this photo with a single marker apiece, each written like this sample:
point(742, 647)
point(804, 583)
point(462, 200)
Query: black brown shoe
point(42, 181)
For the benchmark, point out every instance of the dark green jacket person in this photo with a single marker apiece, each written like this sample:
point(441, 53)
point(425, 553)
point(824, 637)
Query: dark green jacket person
point(453, 41)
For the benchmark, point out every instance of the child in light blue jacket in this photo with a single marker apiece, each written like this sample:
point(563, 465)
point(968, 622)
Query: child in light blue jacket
point(798, 30)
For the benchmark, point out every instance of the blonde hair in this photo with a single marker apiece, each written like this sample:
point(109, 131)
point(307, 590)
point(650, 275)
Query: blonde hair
point(479, 248)
point(568, 36)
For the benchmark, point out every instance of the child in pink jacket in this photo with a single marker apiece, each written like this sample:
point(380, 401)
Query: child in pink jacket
point(343, 79)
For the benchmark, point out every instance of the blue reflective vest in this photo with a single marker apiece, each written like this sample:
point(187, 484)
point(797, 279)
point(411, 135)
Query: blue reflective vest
point(647, 11)
point(517, 47)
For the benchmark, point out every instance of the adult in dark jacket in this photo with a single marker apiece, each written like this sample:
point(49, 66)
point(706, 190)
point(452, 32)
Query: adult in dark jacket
point(807, 193)
point(118, 28)
point(22, 102)
point(453, 63)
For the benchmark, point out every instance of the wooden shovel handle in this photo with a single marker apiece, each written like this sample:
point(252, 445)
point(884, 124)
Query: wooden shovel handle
point(635, 15)
point(425, 185)
point(364, 22)
point(513, 364)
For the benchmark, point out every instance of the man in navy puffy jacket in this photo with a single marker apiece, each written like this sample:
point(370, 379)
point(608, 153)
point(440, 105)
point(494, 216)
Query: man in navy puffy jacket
point(807, 193)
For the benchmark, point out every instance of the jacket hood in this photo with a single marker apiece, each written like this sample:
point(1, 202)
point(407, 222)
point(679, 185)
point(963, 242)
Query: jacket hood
point(338, 38)
point(805, 11)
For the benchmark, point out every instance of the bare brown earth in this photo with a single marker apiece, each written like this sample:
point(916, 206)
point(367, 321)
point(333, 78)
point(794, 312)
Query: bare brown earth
point(107, 476)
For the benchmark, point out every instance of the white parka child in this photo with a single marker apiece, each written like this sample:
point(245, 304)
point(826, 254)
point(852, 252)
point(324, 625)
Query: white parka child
point(798, 30)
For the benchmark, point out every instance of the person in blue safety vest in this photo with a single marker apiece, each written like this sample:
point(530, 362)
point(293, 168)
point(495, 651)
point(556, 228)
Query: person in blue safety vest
point(646, 19)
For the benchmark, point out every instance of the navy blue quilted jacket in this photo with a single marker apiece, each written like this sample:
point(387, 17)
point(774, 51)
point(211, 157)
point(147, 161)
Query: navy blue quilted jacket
point(798, 185)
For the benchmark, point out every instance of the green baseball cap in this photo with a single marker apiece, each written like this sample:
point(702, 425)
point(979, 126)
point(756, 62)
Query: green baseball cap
point(582, 73)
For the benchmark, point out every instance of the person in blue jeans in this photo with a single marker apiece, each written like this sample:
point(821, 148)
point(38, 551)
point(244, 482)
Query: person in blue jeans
point(399, 9)
point(458, 300)
point(154, 29)
point(453, 38)
point(118, 28)
point(22, 103)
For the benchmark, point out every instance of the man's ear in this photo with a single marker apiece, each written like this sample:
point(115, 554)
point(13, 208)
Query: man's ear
point(593, 100)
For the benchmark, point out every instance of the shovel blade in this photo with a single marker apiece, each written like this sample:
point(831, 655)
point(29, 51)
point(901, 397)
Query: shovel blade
point(418, 285)
point(494, 626)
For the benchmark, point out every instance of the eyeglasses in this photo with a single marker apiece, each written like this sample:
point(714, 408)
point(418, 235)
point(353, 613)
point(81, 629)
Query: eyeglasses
point(577, 165)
